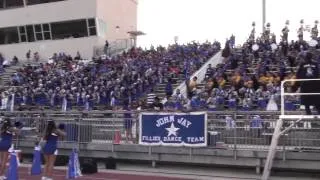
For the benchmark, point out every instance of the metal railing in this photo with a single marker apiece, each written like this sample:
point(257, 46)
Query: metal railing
point(284, 94)
point(106, 127)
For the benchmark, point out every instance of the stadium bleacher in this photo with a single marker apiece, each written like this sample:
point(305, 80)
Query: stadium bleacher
point(235, 94)
point(250, 80)
point(66, 82)
point(246, 80)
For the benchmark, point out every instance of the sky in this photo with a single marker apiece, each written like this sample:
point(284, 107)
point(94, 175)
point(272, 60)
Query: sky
point(203, 20)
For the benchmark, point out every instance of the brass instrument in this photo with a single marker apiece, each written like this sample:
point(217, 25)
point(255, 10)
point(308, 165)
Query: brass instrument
point(255, 47)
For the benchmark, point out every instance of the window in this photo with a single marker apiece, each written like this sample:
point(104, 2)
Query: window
point(92, 27)
point(46, 31)
point(9, 35)
point(69, 29)
point(10, 4)
point(23, 34)
point(33, 2)
point(30, 33)
point(38, 32)
point(46, 27)
point(22, 29)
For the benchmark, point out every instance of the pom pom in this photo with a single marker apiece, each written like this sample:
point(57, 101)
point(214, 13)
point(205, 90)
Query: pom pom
point(62, 126)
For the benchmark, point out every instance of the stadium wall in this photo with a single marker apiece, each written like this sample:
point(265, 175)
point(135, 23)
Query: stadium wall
point(113, 20)
point(47, 48)
point(50, 12)
point(118, 13)
point(255, 159)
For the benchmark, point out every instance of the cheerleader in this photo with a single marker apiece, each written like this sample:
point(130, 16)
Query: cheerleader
point(7, 132)
point(50, 149)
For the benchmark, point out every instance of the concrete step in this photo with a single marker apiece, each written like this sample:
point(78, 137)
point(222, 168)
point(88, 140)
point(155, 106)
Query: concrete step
point(163, 87)
point(13, 67)
point(10, 71)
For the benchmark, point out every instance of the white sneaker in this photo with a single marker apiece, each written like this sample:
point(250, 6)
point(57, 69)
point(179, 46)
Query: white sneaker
point(2, 178)
point(44, 178)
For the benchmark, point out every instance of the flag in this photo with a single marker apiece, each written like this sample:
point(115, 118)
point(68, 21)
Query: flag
point(12, 173)
point(74, 166)
point(36, 163)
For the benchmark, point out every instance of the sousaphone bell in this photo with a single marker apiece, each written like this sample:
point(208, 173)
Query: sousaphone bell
point(255, 47)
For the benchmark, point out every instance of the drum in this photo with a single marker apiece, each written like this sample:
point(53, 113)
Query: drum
point(255, 47)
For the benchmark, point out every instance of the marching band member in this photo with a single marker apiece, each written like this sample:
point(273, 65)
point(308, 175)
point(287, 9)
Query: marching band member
point(314, 30)
point(267, 32)
point(273, 38)
point(253, 32)
point(7, 132)
point(285, 32)
point(300, 30)
point(50, 149)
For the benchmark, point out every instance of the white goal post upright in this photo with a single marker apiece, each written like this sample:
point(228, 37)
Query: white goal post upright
point(277, 131)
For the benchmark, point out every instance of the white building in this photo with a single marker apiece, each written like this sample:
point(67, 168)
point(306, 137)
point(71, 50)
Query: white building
point(50, 26)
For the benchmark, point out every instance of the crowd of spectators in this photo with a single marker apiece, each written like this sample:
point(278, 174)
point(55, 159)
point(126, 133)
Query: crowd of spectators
point(248, 79)
point(67, 83)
